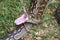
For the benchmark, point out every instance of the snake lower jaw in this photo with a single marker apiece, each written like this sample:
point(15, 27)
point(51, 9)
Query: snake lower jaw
point(34, 21)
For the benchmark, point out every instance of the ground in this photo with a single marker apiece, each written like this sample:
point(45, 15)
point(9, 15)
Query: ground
point(48, 29)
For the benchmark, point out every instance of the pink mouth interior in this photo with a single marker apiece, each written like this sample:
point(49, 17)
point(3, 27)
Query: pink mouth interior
point(21, 19)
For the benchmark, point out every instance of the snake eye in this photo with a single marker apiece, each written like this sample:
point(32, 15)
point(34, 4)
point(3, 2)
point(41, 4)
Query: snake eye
point(24, 9)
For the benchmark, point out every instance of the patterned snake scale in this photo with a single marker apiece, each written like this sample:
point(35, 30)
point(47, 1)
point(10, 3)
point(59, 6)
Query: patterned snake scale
point(35, 13)
point(57, 14)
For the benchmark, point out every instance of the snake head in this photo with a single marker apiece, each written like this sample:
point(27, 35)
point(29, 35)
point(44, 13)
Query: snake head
point(22, 18)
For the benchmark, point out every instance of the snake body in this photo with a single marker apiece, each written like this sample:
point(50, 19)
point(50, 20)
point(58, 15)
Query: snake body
point(20, 31)
point(36, 10)
point(35, 13)
point(57, 14)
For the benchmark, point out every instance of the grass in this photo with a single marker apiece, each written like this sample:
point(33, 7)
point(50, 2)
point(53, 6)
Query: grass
point(11, 9)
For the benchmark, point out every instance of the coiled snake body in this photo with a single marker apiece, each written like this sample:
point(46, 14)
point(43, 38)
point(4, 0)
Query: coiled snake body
point(35, 13)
